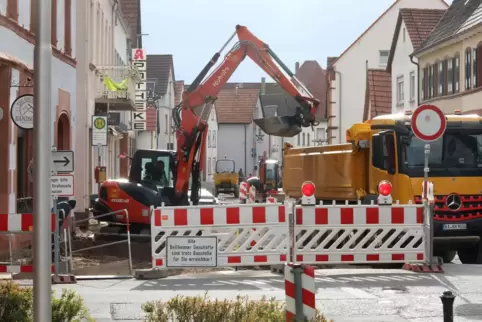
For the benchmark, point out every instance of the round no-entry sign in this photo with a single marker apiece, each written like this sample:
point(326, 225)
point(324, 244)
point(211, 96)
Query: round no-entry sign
point(428, 123)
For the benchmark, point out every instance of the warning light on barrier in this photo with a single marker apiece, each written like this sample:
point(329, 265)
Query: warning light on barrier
point(308, 193)
point(385, 193)
point(308, 188)
point(385, 188)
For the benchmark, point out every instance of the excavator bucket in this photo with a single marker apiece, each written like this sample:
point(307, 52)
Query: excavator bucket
point(285, 126)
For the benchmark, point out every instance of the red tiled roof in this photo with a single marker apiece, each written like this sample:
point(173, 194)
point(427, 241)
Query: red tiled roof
point(378, 99)
point(371, 26)
point(178, 89)
point(236, 106)
point(314, 78)
point(420, 23)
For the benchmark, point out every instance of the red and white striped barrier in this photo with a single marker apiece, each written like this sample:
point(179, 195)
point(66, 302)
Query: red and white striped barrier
point(308, 292)
point(243, 191)
point(16, 223)
point(252, 194)
point(218, 215)
point(359, 215)
point(254, 234)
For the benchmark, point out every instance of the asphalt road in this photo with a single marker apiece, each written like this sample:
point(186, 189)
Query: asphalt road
point(342, 294)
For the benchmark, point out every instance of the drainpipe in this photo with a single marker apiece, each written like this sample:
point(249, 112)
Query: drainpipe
point(245, 147)
point(339, 107)
point(418, 77)
point(114, 10)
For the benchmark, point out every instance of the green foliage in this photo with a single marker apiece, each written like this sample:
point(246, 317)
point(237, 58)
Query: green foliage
point(202, 309)
point(16, 304)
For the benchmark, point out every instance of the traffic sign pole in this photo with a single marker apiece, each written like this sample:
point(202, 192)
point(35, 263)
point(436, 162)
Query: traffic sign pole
point(428, 124)
point(42, 254)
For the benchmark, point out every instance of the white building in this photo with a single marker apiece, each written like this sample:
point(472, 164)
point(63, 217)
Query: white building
point(17, 34)
point(161, 81)
point(412, 28)
point(373, 45)
point(105, 49)
point(236, 136)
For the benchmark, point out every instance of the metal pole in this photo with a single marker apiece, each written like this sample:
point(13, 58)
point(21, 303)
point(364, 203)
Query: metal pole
point(99, 163)
point(297, 273)
point(291, 230)
point(425, 172)
point(56, 237)
point(42, 254)
point(425, 198)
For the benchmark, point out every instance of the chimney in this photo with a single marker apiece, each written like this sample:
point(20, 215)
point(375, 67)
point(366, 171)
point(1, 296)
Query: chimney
point(263, 85)
point(297, 67)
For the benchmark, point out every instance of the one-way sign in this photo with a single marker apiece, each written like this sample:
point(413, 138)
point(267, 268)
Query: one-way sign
point(63, 161)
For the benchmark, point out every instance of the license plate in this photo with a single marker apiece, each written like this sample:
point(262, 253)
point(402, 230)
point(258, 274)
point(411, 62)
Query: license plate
point(454, 226)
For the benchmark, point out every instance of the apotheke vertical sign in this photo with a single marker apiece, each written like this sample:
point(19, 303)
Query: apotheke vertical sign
point(139, 61)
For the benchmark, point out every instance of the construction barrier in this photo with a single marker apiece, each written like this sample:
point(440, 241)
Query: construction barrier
point(258, 234)
point(243, 192)
point(300, 292)
point(251, 194)
point(19, 224)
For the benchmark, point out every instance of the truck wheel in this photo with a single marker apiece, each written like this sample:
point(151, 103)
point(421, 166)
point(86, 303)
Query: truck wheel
point(236, 192)
point(216, 192)
point(447, 256)
point(471, 255)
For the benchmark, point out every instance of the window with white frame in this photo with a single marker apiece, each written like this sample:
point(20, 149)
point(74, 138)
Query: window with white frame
point(214, 165)
point(400, 93)
point(209, 166)
point(214, 139)
point(412, 86)
point(308, 138)
point(320, 134)
point(304, 142)
point(384, 57)
point(299, 138)
point(166, 124)
point(209, 139)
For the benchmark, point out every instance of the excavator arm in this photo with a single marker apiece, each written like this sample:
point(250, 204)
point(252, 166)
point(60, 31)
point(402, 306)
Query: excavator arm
point(198, 100)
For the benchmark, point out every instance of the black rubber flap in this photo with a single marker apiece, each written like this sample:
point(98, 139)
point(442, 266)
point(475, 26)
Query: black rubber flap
point(284, 126)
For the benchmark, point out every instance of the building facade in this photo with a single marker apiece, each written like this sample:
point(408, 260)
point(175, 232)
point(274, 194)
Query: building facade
point(107, 89)
point(349, 69)
point(450, 60)
point(17, 34)
point(412, 28)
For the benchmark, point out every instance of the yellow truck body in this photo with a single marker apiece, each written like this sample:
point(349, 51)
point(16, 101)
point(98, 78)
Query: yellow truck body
point(385, 148)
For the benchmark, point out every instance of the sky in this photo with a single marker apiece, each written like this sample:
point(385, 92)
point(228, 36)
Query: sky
point(297, 30)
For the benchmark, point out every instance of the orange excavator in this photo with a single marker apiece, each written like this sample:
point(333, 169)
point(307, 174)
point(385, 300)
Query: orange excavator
point(162, 176)
point(199, 98)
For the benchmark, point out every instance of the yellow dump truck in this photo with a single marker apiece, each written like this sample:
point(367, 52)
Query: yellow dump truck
point(226, 179)
point(386, 149)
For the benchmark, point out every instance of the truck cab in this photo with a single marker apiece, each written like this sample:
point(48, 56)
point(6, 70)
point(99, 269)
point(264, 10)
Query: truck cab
point(386, 149)
point(455, 169)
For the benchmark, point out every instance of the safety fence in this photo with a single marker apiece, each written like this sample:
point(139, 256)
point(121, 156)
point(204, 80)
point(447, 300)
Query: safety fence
point(272, 234)
point(20, 257)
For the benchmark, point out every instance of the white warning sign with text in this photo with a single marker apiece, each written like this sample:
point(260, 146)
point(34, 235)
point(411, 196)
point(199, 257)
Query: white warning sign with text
point(191, 251)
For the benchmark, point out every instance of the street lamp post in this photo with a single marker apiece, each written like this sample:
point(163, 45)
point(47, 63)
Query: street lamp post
point(42, 255)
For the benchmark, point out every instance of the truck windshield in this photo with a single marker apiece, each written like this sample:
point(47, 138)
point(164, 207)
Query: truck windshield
point(455, 154)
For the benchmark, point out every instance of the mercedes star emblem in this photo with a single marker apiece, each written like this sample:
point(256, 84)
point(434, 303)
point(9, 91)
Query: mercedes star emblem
point(453, 202)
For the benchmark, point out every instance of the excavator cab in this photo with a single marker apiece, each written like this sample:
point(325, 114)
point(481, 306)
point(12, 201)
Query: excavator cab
point(154, 169)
